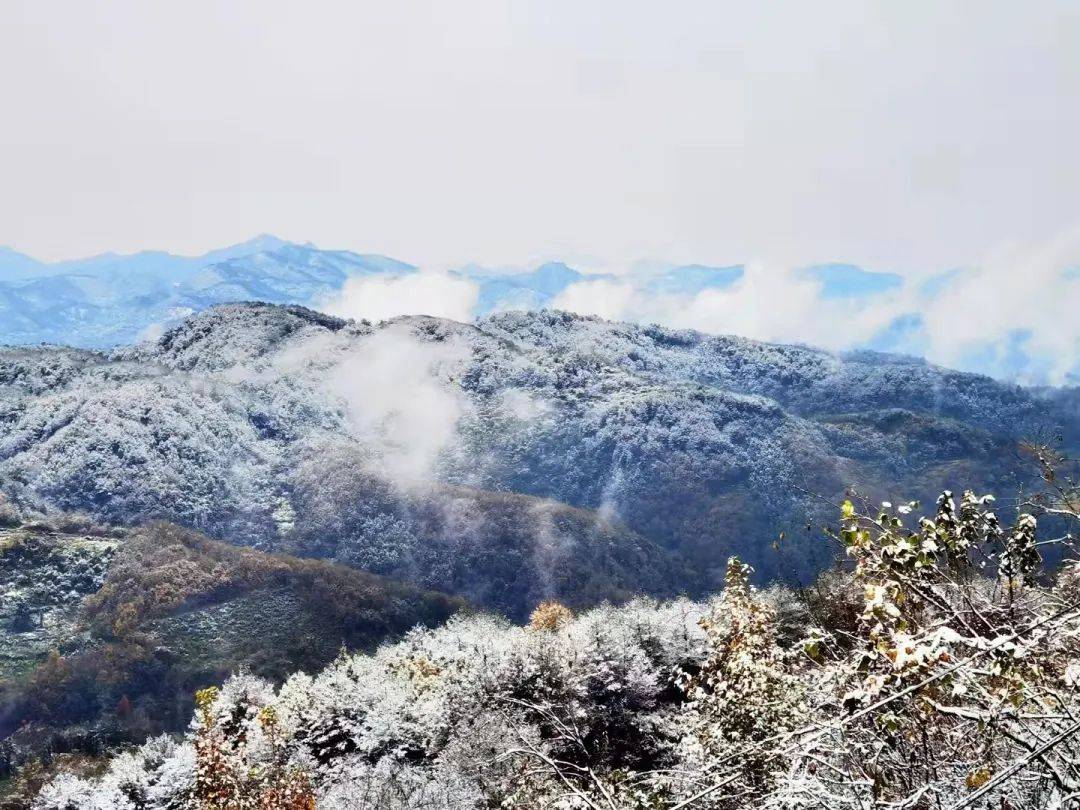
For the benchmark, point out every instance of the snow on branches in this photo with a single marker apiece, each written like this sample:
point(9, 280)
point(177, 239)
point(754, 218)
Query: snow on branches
point(937, 669)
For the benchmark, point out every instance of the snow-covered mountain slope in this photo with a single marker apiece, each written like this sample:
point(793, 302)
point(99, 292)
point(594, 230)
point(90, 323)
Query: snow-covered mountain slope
point(528, 455)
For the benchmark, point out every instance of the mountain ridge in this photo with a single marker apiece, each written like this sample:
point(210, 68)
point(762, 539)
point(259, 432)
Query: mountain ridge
point(393, 447)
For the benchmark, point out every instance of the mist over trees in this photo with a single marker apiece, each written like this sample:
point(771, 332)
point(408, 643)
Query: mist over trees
point(549, 439)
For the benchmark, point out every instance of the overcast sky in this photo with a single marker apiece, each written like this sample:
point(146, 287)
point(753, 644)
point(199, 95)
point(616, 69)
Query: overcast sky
point(901, 136)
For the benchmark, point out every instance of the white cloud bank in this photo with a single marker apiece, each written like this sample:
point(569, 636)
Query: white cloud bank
point(1024, 298)
point(426, 292)
point(1013, 315)
point(398, 399)
point(768, 303)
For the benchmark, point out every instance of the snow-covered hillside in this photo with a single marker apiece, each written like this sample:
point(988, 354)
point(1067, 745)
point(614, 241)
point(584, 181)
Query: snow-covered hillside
point(528, 455)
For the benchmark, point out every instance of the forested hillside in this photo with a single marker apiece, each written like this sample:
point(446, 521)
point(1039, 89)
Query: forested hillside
point(525, 457)
point(108, 631)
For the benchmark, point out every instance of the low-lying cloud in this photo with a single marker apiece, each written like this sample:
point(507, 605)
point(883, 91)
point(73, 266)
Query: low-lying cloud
point(1011, 315)
point(399, 400)
point(767, 303)
point(426, 292)
point(394, 389)
point(1016, 315)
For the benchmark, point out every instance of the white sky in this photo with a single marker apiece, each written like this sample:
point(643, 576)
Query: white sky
point(909, 136)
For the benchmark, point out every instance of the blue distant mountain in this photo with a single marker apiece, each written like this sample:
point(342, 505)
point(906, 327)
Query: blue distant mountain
point(850, 281)
point(18, 265)
point(110, 299)
point(539, 288)
point(15, 266)
point(291, 274)
point(532, 290)
point(690, 279)
point(113, 299)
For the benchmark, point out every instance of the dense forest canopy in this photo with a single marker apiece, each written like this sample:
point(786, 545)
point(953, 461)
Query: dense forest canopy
point(529, 456)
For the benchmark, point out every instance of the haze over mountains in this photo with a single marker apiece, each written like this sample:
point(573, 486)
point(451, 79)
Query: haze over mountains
point(111, 299)
point(106, 300)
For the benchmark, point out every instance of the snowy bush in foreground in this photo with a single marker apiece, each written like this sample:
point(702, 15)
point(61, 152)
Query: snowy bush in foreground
point(943, 675)
point(430, 721)
point(159, 774)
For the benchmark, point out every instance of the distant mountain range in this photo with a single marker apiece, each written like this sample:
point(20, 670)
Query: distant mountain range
point(112, 299)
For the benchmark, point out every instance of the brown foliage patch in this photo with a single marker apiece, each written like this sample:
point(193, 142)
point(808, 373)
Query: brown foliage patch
point(165, 568)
